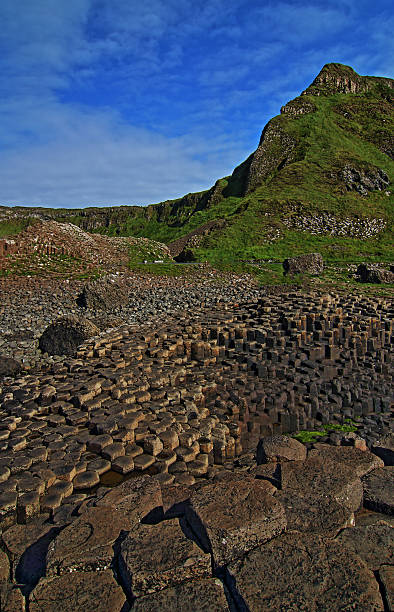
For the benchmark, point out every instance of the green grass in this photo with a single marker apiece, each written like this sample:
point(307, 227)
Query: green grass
point(306, 437)
point(13, 227)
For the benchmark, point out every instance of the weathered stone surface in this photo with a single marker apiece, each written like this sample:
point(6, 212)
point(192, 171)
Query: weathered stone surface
point(231, 518)
point(86, 544)
point(9, 366)
point(384, 448)
point(87, 591)
point(373, 274)
point(373, 543)
point(386, 575)
point(154, 557)
point(86, 480)
point(103, 294)
point(135, 498)
point(65, 334)
point(4, 567)
point(360, 461)
point(301, 572)
point(280, 448)
point(379, 490)
point(11, 598)
point(311, 263)
point(205, 595)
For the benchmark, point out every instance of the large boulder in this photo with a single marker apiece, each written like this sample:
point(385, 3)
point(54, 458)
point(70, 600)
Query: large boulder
point(279, 448)
point(9, 366)
point(384, 448)
point(66, 334)
point(312, 263)
point(104, 294)
point(373, 274)
point(378, 490)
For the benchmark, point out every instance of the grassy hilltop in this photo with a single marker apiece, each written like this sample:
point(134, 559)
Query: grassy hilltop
point(320, 180)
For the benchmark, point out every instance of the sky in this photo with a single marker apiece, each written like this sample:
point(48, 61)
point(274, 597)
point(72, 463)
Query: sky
point(110, 102)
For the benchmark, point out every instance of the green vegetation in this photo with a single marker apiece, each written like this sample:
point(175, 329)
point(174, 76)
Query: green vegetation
point(13, 226)
point(331, 156)
point(57, 265)
point(306, 437)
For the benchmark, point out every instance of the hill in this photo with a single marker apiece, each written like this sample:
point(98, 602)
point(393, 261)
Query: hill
point(320, 179)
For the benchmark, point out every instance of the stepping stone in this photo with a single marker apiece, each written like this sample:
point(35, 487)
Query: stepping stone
point(86, 480)
point(123, 465)
point(386, 575)
point(5, 473)
point(206, 594)
point(361, 462)
point(164, 479)
point(184, 478)
point(101, 466)
point(135, 498)
point(51, 501)
point(373, 543)
point(154, 557)
point(280, 448)
point(112, 451)
point(379, 490)
point(28, 506)
point(63, 487)
point(303, 572)
point(86, 544)
point(142, 462)
point(231, 518)
point(97, 443)
point(8, 501)
point(87, 591)
point(63, 471)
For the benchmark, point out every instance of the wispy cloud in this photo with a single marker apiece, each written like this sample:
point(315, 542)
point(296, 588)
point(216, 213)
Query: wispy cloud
point(106, 101)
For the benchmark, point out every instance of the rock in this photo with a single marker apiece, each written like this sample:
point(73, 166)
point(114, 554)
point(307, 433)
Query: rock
point(386, 575)
point(135, 498)
point(9, 366)
point(372, 274)
point(384, 448)
point(11, 598)
point(204, 595)
point(103, 294)
point(66, 334)
point(312, 263)
point(303, 572)
point(373, 543)
point(87, 591)
point(279, 448)
point(360, 461)
point(86, 544)
point(231, 518)
point(319, 496)
point(154, 557)
point(379, 490)
point(4, 567)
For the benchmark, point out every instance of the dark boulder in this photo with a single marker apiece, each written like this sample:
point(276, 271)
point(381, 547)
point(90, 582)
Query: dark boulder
point(9, 366)
point(372, 274)
point(103, 294)
point(311, 263)
point(66, 334)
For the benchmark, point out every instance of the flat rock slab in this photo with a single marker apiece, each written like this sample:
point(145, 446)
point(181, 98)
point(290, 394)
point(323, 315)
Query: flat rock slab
point(320, 477)
point(384, 449)
point(11, 598)
point(86, 544)
point(154, 557)
point(135, 498)
point(379, 490)
point(193, 596)
point(303, 573)
point(279, 448)
point(373, 543)
point(360, 461)
point(231, 518)
point(386, 575)
point(84, 591)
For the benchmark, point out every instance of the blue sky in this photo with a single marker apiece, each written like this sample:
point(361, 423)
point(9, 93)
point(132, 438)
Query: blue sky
point(106, 102)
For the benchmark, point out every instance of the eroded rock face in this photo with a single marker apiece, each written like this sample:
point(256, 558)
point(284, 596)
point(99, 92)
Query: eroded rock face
point(9, 366)
point(231, 518)
point(280, 448)
point(379, 490)
point(155, 557)
point(87, 591)
point(312, 263)
point(364, 181)
point(372, 274)
point(361, 462)
point(103, 295)
point(205, 595)
point(303, 572)
point(384, 448)
point(373, 543)
point(66, 334)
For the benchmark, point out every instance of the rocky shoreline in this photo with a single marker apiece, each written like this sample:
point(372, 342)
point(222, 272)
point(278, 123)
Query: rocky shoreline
point(155, 468)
